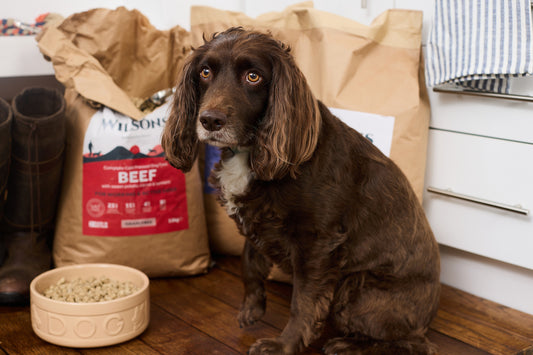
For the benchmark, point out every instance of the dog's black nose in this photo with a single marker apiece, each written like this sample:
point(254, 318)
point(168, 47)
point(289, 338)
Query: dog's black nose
point(213, 120)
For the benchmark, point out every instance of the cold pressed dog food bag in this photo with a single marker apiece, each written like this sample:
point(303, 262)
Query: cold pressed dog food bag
point(370, 76)
point(121, 201)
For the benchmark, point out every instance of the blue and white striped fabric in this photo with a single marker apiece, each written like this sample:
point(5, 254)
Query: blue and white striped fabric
point(479, 44)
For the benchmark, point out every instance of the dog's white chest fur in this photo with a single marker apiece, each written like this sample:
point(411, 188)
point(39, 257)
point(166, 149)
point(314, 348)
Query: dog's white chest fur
point(234, 178)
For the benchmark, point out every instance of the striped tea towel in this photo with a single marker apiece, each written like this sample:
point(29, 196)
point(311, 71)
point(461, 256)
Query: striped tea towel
point(479, 44)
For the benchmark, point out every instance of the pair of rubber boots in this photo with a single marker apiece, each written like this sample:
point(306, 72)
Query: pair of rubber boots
point(32, 144)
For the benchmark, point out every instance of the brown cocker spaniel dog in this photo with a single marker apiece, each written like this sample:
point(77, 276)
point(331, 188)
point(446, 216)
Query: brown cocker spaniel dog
point(311, 195)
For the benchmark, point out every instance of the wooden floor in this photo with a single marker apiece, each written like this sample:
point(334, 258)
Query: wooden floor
point(197, 315)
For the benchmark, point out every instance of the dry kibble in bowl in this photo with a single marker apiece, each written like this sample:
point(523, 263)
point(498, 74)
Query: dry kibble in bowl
point(89, 290)
point(90, 305)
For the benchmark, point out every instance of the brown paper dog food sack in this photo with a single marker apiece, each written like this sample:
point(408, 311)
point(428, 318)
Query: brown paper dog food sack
point(370, 76)
point(121, 202)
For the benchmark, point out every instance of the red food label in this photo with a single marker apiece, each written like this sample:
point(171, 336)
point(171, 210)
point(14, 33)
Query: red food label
point(128, 187)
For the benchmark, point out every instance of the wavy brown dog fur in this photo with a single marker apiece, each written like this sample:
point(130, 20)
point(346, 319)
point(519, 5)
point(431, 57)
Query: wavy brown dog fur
point(311, 195)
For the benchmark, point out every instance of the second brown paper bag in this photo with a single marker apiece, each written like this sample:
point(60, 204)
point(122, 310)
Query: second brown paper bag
point(374, 71)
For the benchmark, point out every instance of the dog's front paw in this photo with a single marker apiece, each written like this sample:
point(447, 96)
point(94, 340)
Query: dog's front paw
point(251, 311)
point(268, 347)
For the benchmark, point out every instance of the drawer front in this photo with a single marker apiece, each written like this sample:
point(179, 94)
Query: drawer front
point(491, 117)
point(489, 169)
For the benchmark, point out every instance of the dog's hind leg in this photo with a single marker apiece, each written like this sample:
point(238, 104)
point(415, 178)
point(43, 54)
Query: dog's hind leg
point(255, 269)
point(381, 317)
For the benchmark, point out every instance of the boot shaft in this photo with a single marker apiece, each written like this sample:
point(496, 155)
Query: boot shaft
point(5, 148)
point(37, 150)
point(38, 125)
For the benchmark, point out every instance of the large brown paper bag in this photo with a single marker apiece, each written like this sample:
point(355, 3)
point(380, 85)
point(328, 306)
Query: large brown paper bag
point(371, 75)
point(121, 202)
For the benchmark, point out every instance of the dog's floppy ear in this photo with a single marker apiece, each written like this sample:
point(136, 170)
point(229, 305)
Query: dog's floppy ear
point(288, 134)
point(179, 139)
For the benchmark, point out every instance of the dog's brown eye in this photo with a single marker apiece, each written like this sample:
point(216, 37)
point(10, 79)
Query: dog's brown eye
point(205, 73)
point(253, 77)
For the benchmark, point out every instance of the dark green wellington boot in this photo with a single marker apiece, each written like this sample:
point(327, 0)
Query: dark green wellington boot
point(5, 156)
point(37, 150)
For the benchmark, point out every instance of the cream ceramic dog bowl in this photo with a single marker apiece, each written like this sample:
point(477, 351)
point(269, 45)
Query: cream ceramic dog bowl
point(87, 325)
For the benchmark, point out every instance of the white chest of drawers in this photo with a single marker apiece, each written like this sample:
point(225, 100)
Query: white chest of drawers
point(482, 148)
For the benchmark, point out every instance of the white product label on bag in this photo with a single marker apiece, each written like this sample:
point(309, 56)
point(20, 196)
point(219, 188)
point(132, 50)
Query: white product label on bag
point(376, 128)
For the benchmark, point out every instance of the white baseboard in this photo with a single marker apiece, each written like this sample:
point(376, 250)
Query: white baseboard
point(497, 281)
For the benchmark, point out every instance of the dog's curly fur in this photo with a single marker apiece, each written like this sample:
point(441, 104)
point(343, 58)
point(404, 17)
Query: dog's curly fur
point(312, 196)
